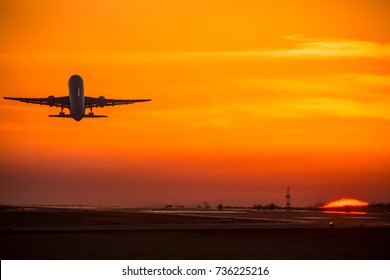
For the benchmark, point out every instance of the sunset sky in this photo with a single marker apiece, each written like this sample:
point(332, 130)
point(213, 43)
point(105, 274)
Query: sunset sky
point(248, 97)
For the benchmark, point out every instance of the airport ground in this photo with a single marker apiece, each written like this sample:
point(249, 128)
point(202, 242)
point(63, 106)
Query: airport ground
point(47, 233)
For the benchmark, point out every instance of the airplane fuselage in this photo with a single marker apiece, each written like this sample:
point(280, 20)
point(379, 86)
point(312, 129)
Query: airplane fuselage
point(76, 97)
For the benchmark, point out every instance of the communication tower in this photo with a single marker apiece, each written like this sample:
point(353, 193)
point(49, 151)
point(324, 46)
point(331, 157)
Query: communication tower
point(288, 197)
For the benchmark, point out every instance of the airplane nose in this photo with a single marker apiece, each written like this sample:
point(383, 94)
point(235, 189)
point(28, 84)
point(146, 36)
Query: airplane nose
point(75, 79)
point(75, 82)
point(75, 76)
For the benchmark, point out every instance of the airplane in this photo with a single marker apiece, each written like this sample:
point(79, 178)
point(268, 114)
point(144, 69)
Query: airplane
point(76, 102)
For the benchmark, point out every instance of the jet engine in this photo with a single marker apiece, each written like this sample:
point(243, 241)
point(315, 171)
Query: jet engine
point(51, 101)
point(101, 101)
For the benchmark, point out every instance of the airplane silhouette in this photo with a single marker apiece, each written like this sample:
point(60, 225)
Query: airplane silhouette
point(76, 102)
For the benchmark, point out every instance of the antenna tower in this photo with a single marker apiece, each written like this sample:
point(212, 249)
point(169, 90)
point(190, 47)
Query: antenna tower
point(288, 197)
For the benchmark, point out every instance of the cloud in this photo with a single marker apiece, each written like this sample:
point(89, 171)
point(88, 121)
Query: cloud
point(360, 87)
point(303, 48)
point(311, 48)
point(340, 95)
point(341, 108)
point(330, 47)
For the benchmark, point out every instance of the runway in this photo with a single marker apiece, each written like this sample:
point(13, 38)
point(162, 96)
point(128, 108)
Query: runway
point(145, 234)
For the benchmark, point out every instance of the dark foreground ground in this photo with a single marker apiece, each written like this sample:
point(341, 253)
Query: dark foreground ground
point(43, 234)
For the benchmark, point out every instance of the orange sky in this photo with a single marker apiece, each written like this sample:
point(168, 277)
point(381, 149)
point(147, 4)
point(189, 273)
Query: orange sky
point(248, 97)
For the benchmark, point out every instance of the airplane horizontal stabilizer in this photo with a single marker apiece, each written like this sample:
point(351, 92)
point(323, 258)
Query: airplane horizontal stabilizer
point(61, 116)
point(94, 116)
point(70, 116)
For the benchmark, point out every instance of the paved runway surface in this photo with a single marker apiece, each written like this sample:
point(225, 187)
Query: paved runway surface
point(159, 234)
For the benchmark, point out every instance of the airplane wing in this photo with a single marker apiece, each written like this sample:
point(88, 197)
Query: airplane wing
point(49, 101)
point(91, 102)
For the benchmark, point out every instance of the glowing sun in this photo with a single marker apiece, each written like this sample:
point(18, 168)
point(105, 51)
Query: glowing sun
point(345, 202)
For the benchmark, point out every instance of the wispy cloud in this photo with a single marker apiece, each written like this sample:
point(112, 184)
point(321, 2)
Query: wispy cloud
point(302, 47)
point(330, 47)
point(360, 87)
point(341, 95)
point(252, 98)
point(312, 48)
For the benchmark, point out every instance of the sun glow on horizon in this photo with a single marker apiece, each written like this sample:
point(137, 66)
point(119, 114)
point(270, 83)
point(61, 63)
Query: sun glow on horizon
point(345, 202)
